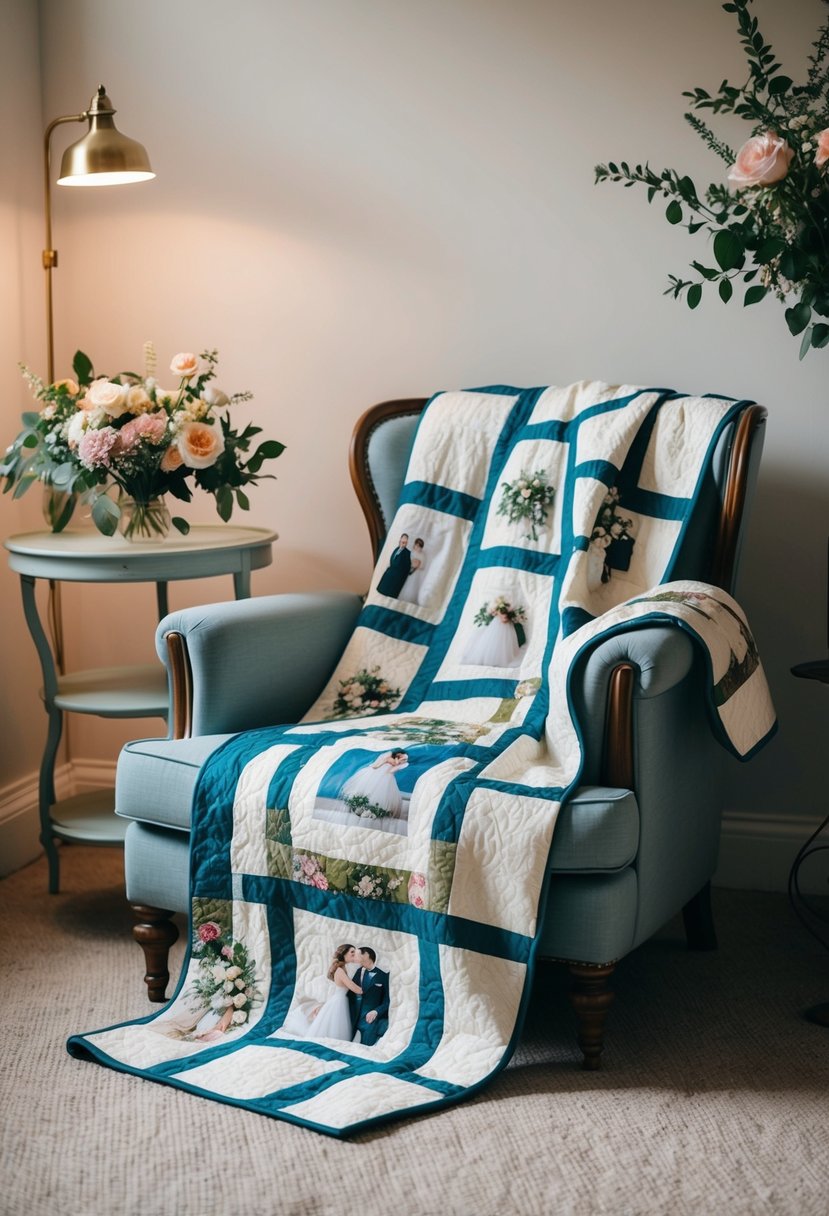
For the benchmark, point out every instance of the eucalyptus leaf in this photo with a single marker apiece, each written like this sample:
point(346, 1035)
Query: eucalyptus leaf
point(224, 502)
point(182, 524)
point(105, 514)
point(694, 294)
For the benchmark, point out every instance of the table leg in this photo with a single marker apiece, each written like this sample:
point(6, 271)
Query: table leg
point(46, 782)
point(161, 600)
point(241, 579)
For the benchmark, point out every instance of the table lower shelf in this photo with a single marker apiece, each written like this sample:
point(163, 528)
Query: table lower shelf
point(89, 818)
point(115, 692)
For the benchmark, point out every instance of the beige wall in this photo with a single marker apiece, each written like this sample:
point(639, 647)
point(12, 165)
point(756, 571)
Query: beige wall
point(363, 200)
point(21, 338)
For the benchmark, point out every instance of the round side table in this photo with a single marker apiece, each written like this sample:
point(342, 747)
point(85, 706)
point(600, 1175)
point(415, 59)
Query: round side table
point(84, 556)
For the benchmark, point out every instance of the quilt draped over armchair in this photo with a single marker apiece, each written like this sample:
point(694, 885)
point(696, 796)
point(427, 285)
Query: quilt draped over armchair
point(367, 886)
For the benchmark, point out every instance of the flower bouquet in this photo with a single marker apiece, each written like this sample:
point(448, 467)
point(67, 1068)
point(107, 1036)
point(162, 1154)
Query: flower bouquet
point(527, 498)
point(93, 434)
point(502, 608)
point(226, 979)
point(362, 806)
point(611, 535)
point(364, 693)
point(772, 229)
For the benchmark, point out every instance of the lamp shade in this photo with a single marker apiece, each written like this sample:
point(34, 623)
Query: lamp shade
point(104, 157)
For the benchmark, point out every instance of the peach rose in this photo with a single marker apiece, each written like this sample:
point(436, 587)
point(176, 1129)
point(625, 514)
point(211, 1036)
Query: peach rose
point(200, 445)
point(822, 154)
point(106, 395)
point(70, 386)
point(185, 365)
point(171, 460)
point(762, 160)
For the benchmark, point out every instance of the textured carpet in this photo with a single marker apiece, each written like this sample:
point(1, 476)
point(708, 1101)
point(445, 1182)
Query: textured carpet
point(713, 1097)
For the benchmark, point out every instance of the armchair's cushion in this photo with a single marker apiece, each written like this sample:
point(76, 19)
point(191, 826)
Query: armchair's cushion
point(155, 778)
point(598, 829)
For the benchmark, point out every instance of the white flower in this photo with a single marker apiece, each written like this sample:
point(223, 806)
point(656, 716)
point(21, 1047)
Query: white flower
point(214, 397)
point(218, 1002)
point(75, 428)
point(108, 395)
point(525, 493)
point(239, 983)
point(239, 1000)
point(218, 973)
point(239, 1017)
point(228, 985)
point(233, 973)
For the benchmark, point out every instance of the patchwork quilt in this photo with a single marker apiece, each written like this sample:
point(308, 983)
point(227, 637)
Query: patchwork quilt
point(367, 885)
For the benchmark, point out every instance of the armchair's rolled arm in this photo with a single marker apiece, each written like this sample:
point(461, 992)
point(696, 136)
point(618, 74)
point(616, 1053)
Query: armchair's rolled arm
point(249, 663)
point(643, 663)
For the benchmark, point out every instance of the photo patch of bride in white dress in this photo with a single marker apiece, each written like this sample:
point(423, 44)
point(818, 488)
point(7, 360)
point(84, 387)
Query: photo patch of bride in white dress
point(499, 637)
point(331, 1017)
point(373, 792)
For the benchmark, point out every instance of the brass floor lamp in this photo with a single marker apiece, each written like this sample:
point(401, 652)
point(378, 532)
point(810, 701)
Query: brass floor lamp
point(102, 157)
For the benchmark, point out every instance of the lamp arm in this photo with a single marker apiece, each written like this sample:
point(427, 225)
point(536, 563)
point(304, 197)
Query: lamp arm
point(50, 255)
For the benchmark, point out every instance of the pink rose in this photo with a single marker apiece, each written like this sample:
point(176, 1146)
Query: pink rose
point(151, 427)
point(822, 154)
point(209, 931)
point(320, 881)
point(200, 445)
point(227, 952)
point(762, 160)
point(185, 365)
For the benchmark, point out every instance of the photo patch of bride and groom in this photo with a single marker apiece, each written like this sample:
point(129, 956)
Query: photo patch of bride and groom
point(356, 1005)
point(403, 578)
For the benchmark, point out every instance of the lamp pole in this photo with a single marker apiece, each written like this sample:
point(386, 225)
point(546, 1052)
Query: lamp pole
point(50, 255)
point(102, 157)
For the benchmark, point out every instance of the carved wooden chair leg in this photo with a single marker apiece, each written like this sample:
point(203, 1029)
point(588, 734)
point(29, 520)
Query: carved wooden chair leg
point(699, 921)
point(155, 934)
point(591, 998)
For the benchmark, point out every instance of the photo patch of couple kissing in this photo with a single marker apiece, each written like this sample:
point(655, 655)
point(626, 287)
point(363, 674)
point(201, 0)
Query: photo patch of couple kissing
point(356, 1005)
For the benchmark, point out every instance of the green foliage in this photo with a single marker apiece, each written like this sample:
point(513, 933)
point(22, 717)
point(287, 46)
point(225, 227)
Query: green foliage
point(773, 230)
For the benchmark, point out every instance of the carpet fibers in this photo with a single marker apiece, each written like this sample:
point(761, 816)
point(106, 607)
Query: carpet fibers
point(713, 1097)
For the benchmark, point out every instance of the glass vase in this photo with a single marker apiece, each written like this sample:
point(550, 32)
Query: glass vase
point(58, 507)
point(144, 521)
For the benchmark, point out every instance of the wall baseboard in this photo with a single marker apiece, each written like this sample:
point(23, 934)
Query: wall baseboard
point(756, 851)
point(19, 819)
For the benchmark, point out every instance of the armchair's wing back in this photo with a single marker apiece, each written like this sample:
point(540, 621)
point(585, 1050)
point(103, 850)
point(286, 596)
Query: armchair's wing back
point(383, 437)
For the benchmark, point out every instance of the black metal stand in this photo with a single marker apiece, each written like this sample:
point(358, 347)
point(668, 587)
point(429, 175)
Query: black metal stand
point(809, 916)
